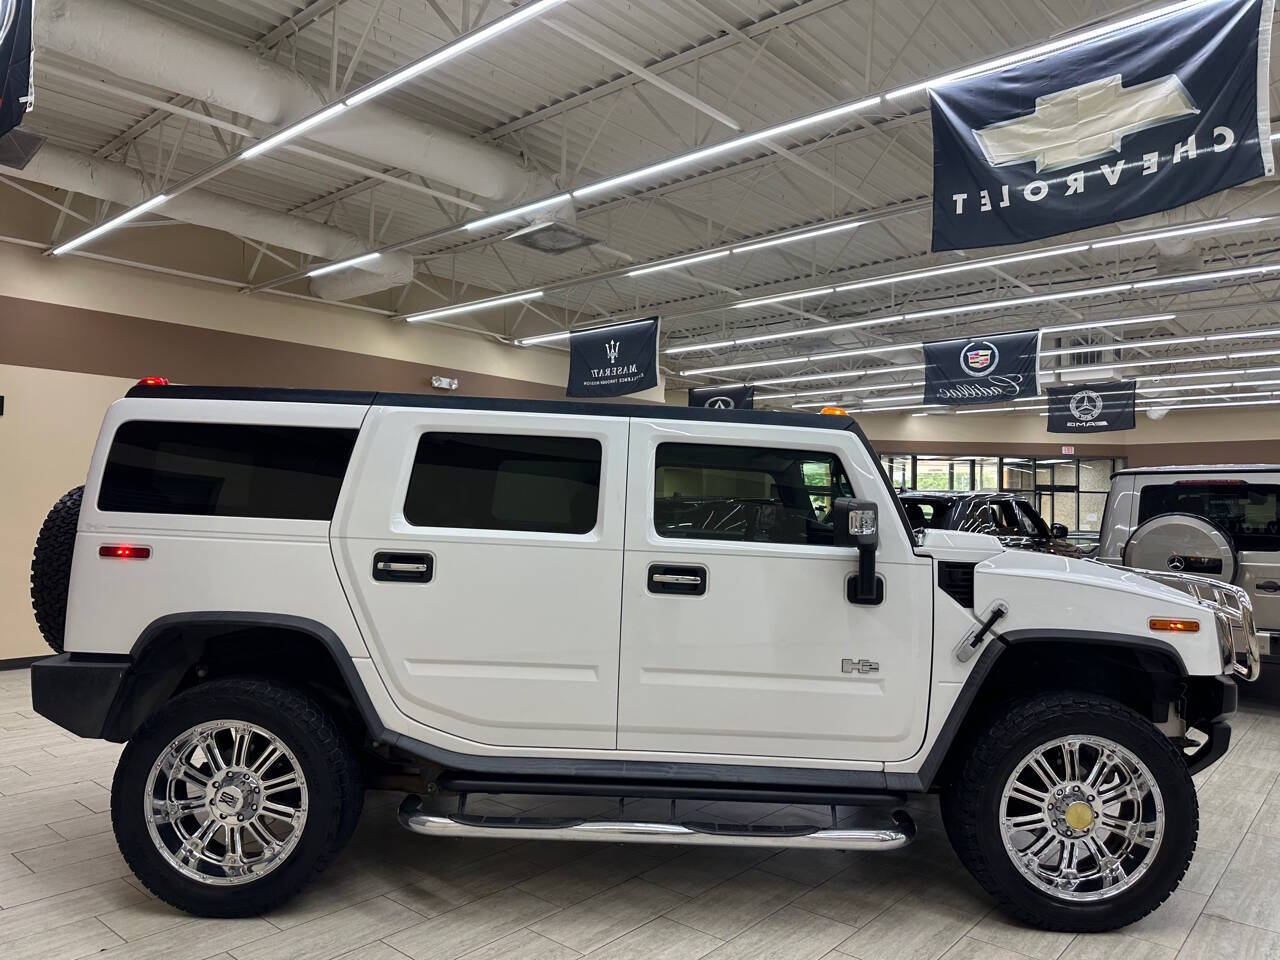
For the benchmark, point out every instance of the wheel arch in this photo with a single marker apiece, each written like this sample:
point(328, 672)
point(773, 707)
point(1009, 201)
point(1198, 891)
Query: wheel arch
point(181, 650)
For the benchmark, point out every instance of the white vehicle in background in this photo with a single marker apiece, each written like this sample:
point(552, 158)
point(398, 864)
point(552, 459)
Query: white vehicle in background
point(279, 597)
point(1218, 523)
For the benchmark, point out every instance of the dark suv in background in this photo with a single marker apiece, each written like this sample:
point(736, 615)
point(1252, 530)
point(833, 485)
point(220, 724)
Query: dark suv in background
point(1003, 515)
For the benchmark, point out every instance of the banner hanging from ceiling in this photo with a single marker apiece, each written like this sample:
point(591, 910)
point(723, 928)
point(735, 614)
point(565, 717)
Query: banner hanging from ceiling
point(1092, 407)
point(613, 361)
point(1140, 120)
point(17, 91)
point(982, 369)
point(723, 398)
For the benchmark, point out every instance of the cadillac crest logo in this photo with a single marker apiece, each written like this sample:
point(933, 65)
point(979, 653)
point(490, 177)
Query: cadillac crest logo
point(1086, 405)
point(979, 358)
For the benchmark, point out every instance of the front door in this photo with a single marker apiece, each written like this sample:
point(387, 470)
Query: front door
point(738, 636)
point(482, 554)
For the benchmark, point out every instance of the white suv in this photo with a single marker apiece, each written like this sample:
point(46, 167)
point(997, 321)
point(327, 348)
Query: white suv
point(279, 597)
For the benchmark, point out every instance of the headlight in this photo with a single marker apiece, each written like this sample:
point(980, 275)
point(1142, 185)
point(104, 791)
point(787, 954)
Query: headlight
point(1226, 642)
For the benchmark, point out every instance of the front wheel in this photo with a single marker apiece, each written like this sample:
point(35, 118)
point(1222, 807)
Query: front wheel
point(1074, 812)
point(233, 796)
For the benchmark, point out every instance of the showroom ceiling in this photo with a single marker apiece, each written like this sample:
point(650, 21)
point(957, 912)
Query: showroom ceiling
point(595, 88)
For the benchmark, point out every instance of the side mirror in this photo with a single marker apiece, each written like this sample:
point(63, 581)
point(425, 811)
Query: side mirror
point(856, 524)
point(1059, 531)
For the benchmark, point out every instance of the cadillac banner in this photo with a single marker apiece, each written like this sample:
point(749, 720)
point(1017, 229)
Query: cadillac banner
point(613, 361)
point(1138, 120)
point(16, 90)
point(984, 369)
point(1092, 407)
point(723, 398)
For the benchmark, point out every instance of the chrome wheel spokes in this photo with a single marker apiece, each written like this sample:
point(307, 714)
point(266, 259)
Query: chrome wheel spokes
point(226, 802)
point(1081, 818)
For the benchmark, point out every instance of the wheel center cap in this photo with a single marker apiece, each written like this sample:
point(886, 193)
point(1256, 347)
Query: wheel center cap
point(228, 799)
point(1079, 815)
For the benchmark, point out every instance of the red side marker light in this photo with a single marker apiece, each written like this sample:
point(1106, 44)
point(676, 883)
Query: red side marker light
point(154, 382)
point(123, 551)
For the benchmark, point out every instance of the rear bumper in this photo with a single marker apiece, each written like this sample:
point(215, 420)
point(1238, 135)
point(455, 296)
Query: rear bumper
point(78, 691)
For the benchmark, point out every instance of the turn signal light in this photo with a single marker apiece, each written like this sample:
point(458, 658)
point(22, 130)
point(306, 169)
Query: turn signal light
point(154, 382)
point(123, 551)
point(1174, 626)
point(835, 411)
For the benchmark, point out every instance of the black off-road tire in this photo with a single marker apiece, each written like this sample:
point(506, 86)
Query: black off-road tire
point(328, 762)
point(51, 567)
point(971, 808)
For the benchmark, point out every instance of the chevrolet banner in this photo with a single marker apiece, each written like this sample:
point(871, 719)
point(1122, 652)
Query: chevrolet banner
point(1092, 407)
point(613, 361)
point(1130, 123)
point(723, 398)
point(984, 369)
point(16, 88)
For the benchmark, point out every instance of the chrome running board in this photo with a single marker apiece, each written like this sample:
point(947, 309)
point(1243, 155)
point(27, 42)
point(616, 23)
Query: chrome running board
point(415, 816)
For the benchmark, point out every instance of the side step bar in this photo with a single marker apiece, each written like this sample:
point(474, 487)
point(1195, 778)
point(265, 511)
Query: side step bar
point(415, 816)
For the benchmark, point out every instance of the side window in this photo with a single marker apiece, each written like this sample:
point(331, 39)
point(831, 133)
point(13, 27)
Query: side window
point(1027, 520)
point(754, 494)
point(225, 470)
point(1250, 512)
point(482, 481)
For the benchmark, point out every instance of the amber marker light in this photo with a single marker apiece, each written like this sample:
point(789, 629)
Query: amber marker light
point(1171, 625)
point(834, 411)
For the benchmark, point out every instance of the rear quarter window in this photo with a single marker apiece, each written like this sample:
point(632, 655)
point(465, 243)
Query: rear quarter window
point(225, 470)
point(1250, 512)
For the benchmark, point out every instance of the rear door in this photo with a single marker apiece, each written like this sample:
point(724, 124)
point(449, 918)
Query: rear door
point(738, 635)
point(482, 554)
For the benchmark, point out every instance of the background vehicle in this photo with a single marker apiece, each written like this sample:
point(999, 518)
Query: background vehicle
point(279, 597)
point(1219, 522)
point(1010, 519)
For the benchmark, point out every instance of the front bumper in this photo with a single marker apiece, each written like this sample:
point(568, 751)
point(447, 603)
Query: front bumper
point(77, 691)
point(1209, 702)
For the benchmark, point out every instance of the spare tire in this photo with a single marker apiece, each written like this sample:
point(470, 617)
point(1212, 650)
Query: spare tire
point(51, 567)
point(1183, 543)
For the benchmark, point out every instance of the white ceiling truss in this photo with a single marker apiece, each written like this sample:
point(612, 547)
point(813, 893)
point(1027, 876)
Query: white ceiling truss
point(595, 88)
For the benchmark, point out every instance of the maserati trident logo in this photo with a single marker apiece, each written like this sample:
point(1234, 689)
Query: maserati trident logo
point(1086, 405)
point(611, 350)
point(1085, 122)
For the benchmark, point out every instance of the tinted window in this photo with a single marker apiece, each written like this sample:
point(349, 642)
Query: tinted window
point(713, 492)
point(926, 514)
point(1250, 512)
point(225, 469)
point(480, 481)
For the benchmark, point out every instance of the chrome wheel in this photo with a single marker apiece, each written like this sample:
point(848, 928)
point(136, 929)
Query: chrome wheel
point(226, 802)
point(1082, 818)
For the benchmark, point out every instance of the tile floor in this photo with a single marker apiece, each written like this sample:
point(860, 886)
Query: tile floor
point(65, 893)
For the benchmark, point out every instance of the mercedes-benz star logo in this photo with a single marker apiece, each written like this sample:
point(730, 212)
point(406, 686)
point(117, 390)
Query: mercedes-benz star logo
point(1086, 405)
point(1175, 562)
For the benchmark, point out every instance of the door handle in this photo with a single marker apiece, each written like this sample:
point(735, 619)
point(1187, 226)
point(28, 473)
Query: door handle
point(403, 567)
point(1270, 586)
point(685, 581)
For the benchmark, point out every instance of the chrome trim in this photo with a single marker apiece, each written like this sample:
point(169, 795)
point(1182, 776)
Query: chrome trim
point(679, 578)
point(415, 816)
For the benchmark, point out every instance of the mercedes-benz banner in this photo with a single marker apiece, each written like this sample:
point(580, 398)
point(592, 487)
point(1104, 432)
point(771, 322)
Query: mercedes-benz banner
point(983, 369)
point(1092, 407)
point(1142, 119)
point(16, 88)
point(613, 361)
point(723, 398)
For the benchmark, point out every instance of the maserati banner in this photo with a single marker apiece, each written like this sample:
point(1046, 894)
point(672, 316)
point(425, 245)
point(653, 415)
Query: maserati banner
point(1092, 407)
point(983, 369)
point(1139, 120)
point(16, 89)
point(613, 361)
point(724, 398)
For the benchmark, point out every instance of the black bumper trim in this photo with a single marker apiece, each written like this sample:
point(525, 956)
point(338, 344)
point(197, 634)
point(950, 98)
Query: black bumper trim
point(1213, 749)
point(77, 691)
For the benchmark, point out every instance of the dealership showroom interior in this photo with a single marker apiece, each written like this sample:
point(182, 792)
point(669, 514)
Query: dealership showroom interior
point(628, 479)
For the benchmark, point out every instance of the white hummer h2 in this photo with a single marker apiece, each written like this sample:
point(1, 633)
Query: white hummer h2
point(278, 597)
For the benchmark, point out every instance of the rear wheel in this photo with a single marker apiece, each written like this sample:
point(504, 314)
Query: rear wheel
point(233, 796)
point(1074, 812)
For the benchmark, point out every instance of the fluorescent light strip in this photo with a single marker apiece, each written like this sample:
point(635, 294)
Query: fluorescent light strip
point(1102, 324)
point(1236, 372)
point(1212, 275)
point(726, 146)
point(673, 264)
point(1063, 43)
point(1210, 406)
point(461, 45)
point(835, 391)
point(111, 224)
point(960, 268)
point(1178, 232)
point(836, 375)
point(783, 298)
point(566, 334)
point(795, 237)
point(1022, 301)
point(517, 211)
point(470, 307)
point(898, 399)
point(295, 130)
point(343, 264)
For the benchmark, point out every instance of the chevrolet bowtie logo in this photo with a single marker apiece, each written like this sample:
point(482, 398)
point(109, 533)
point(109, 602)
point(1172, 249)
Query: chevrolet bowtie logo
point(1084, 123)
